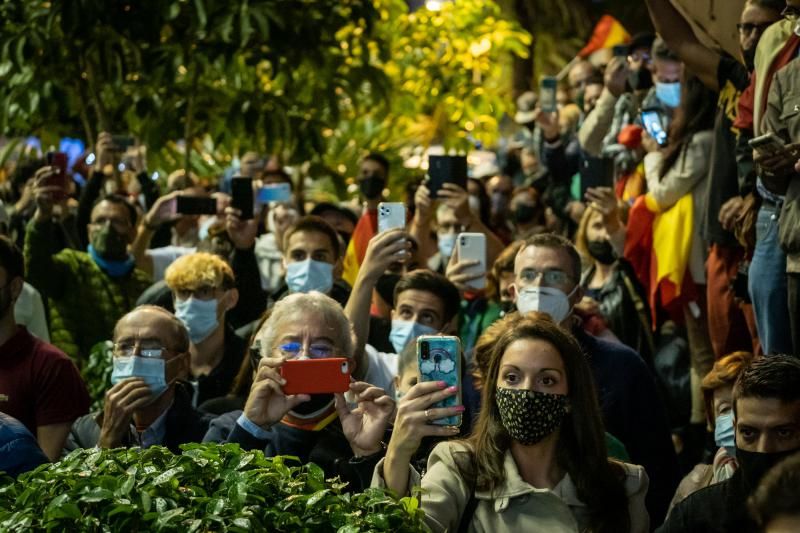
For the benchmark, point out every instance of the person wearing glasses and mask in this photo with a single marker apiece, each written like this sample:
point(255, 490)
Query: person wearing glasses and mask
point(204, 291)
point(148, 404)
point(88, 291)
point(318, 428)
point(547, 280)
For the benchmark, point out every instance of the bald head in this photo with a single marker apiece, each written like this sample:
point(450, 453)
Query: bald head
point(153, 322)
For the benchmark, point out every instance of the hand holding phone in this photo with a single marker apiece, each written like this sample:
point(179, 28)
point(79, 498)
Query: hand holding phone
point(548, 88)
point(446, 169)
point(316, 376)
point(471, 248)
point(654, 126)
point(439, 359)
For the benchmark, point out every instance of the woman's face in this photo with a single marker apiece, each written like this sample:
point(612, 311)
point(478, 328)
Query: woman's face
point(723, 400)
point(533, 364)
point(596, 228)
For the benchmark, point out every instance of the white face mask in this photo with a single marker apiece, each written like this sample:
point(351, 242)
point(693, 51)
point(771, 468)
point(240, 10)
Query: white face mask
point(548, 300)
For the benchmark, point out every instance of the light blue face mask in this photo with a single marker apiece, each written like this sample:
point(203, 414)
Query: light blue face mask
point(669, 93)
point(446, 244)
point(405, 331)
point(724, 433)
point(199, 317)
point(150, 369)
point(309, 275)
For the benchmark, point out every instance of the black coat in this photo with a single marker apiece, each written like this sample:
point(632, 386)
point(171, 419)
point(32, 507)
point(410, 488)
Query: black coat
point(184, 424)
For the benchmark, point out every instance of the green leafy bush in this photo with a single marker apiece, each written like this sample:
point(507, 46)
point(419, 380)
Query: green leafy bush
point(209, 487)
point(96, 372)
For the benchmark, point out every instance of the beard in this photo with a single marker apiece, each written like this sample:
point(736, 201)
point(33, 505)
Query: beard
point(749, 55)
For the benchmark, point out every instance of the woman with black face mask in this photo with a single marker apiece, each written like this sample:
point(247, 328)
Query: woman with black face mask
point(537, 458)
point(610, 280)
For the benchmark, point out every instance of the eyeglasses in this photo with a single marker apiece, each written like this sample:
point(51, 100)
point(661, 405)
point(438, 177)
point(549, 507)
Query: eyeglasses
point(149, 348)
point(746, 28)
point(790, 12)
point(451, 227)
point(293, 350)
point(200, 293)
point(550, 278)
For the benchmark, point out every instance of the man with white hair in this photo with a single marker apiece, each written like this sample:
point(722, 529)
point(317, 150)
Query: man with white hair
point(319, 428)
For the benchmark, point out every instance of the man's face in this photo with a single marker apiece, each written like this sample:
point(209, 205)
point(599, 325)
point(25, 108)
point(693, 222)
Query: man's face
point(369, 167)
point(150, 329)
point(667, 71)
point(767, 425)
point(251, 165)
point(426, 308)
point(313, 245)
point(115, 215)
point(306, 338)
point(577, 77)
point(447, 222)
point(339, 222)
point(596, 228)
point(639, 58)
point(547, 267)
point(754, 20)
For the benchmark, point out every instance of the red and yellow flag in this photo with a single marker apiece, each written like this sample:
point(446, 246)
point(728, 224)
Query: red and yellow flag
point(366, 228)
point(607, 33)
point(657, 245)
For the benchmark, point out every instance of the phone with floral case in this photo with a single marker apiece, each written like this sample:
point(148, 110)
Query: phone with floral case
point(439, 359)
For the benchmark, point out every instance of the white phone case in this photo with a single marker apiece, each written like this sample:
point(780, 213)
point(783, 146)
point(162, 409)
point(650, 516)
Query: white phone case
point(391, 215)
point(472, 247)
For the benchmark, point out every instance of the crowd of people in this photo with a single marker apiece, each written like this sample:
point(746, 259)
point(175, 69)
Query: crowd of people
point(631, 364)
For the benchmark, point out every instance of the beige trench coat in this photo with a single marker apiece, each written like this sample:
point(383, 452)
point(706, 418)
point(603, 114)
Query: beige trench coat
point(517, 506)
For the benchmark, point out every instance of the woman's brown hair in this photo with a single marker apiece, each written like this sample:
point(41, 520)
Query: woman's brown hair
point(502, 265)
point(581, 448)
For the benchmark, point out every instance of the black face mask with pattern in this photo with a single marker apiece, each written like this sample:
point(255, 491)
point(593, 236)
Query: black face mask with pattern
point(529, 416)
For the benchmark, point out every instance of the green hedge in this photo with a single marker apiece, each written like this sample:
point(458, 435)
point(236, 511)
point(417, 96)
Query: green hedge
point(209, 487)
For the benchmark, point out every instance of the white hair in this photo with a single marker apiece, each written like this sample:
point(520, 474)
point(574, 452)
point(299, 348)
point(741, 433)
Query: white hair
point(309, 307)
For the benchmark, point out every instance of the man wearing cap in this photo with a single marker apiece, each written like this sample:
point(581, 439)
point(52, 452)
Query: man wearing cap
point(529, 136)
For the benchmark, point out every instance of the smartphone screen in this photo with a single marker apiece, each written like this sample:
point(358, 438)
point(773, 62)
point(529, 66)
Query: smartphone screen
point(439, 359)
point(274, 192)
point(195, 205)
point(547, 94)
point(59, 179)
point(446, 169)
point(651, 120)
point(242, 196)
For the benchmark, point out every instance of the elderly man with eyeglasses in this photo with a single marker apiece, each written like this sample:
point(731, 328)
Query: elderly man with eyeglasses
point(341, 433)
point(148, 404)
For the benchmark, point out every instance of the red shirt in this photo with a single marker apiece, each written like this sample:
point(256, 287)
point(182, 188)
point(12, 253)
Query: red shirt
point(39, 384)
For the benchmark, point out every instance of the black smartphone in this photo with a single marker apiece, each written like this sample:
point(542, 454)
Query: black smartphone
point(620, 50)
point(195, 205)
point(122, 142)
point(446, 169)
point(242, 196)
point(597, 172)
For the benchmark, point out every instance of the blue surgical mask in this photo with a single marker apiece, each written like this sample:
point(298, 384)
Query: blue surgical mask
point(309, 275)
point(199, 317)
point(446, 244)
point(405, 331)
point(150, 369)
point(724, 434)
point(669, 93)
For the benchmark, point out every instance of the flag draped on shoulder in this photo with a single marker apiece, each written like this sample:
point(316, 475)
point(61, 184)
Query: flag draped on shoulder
point(658, 245)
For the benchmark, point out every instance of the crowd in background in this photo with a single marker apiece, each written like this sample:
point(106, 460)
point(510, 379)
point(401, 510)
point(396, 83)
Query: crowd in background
point(630, 365)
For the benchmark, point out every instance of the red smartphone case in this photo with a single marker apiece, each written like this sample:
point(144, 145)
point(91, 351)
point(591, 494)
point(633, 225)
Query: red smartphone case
point(316, 376)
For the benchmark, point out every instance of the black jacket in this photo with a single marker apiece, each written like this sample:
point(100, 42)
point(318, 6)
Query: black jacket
point(720, 508)
point(184, 424)
point(327, 448)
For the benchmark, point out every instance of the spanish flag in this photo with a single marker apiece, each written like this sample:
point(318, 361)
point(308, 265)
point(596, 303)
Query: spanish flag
point(366, 228)
point(607, 33)
point(657, 245)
